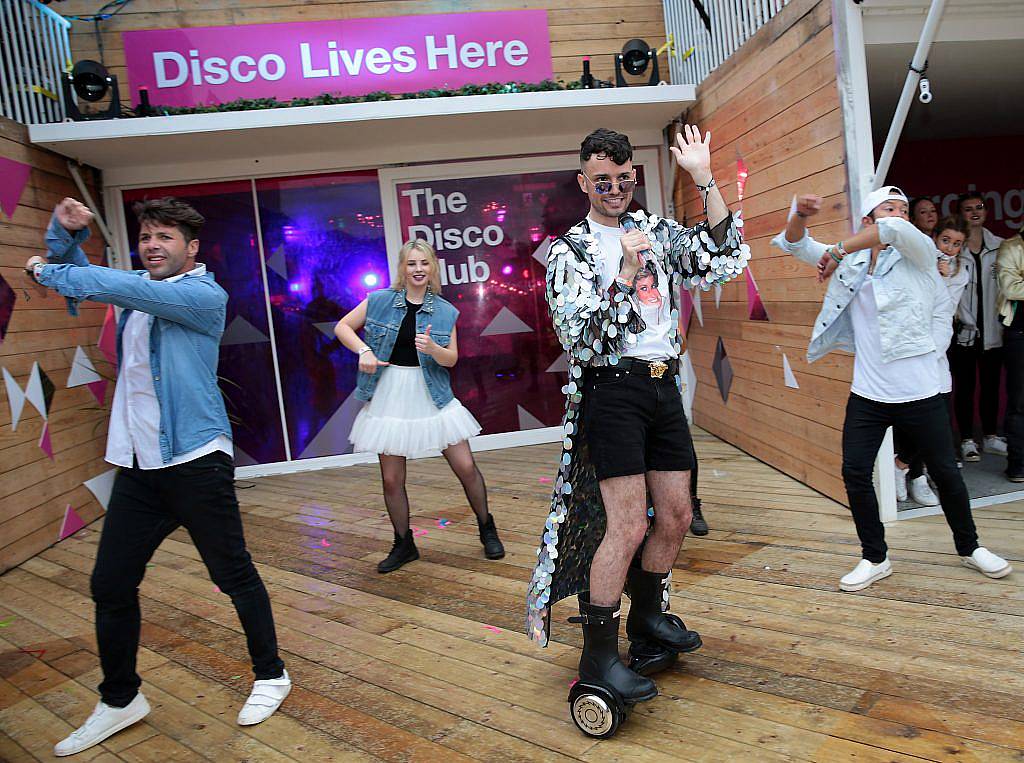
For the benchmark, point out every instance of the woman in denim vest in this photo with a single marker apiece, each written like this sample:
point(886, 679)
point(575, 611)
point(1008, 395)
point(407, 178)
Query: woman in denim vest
point(403, 375)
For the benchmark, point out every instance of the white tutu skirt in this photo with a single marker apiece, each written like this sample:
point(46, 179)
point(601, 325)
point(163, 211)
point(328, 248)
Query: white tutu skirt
point(402, 420)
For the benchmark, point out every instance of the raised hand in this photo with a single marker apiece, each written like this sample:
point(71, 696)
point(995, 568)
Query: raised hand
point(808, 205)
point(693, 154)
point(72, 214)
point(425, 344)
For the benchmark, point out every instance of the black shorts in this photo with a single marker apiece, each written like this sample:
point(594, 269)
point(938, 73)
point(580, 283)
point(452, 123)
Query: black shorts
point(634, 423)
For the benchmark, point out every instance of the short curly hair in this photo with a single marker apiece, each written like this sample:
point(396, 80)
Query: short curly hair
point(614, 145)
point(171, 212)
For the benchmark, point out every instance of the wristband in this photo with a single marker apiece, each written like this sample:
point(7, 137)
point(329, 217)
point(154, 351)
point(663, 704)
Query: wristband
point(835, 257)
point(364, 349)
point(705, 188)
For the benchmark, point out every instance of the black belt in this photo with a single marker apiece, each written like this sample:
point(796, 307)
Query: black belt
point(657, 369)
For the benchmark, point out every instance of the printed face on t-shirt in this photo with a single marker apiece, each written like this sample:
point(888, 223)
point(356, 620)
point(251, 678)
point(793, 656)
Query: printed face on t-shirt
point(646, 290)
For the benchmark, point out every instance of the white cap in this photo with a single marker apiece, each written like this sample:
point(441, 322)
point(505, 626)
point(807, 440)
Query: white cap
point(879, 196)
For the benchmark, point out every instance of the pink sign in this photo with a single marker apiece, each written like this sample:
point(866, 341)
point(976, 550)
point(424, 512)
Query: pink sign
point(207, 65)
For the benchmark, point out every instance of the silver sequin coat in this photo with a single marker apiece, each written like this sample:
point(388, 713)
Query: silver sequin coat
point(595, 328)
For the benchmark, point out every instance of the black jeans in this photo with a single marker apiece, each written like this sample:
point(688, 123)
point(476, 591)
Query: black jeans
point(965, 364)
point(906, 447)
point(1013, 348)
point(926, 423)
point(145, 507)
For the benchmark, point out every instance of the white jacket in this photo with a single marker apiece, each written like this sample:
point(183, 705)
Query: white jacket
point(967, 310)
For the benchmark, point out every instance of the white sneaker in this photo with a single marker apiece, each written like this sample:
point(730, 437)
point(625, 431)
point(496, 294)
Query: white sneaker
point(105, 721)
point(901, 483)
point(864, 574)
point(994, 444)
point(266, 697)
point(969, 450)
point(987, 563)
point(922, 492)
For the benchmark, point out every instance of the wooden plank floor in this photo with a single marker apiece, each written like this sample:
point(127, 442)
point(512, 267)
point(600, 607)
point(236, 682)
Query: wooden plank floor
point(429, 663)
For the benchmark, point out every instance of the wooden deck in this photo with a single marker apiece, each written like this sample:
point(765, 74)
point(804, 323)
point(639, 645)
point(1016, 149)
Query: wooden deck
point(429, 663)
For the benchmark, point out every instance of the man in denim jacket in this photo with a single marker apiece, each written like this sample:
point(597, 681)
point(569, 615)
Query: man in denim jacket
point(880, 305)
point(170, 435)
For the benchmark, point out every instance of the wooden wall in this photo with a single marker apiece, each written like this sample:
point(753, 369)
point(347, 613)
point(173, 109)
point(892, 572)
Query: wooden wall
point(775, 103)
point(35, 490)
point(597, 28)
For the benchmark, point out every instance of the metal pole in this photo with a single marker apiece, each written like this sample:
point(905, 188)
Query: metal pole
point(931, 26)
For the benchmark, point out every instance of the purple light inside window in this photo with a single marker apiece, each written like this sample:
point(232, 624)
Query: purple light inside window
point(371, 279)
point(506, 270)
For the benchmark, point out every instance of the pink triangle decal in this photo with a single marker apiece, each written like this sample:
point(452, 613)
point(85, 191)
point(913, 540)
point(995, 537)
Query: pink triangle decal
point(72, 523)
point(108, 337)
point(13, 179)
point(98, 390)
point(755, 307)
point(44, 441)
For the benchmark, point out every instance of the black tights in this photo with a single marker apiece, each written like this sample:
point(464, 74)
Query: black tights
point(460, 459)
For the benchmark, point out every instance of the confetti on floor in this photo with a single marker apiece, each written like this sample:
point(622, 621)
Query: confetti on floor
point(418, 532)
point(443, 522)
point(493, 628)
point(545, 480)
point(324, 543)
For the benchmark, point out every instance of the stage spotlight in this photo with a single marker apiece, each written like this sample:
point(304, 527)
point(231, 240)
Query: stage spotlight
point(91, 82)
point(634, 58)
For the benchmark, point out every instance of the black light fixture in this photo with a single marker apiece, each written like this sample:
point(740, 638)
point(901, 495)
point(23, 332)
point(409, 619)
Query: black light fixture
point(635, 57)
point(91, 82)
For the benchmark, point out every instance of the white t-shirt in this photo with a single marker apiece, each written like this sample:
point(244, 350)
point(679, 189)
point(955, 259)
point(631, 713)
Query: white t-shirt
point(651, 299)
point(898, 381)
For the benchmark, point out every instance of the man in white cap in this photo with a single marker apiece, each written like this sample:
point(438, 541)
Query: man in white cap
point(880, 305)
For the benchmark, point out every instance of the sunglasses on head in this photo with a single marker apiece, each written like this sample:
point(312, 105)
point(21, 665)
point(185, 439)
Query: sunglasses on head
point(602, 187)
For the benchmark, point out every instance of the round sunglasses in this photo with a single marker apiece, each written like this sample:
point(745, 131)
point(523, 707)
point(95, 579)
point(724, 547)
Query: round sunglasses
point(602, 187)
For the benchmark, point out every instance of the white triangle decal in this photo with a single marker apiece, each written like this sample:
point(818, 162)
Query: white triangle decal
point(787, 372)
point(541, 252)
point(101, 486)
point(332, 439)
point(277, 263)
point(82, 370)
point(527, 420)
point(560, 366)
point(698, 311)
point(240, 331)
point(506, 322)
point(15, 397)
point(327, 328)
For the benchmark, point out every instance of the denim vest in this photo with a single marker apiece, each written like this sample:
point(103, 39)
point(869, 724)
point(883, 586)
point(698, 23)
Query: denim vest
point(385, 310)
point(186, 324)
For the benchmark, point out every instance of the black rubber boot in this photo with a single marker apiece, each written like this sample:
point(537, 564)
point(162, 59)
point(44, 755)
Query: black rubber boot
point(600, 662)
point(698, 526)
point(403, 552)
point(489, 537)
point(649, 625)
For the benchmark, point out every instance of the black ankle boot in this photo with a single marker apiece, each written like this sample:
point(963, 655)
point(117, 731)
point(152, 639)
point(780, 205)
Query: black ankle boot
point(648, 625)
point(698, 526)
point(600, 662)
point(489, 537)
point(403, 552)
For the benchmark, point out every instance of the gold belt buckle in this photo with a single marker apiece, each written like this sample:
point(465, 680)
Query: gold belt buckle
point(658, 369)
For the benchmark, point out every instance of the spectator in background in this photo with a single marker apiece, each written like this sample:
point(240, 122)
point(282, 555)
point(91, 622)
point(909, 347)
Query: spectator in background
point(924, 214)
point(978, 341)
point(1010, 272)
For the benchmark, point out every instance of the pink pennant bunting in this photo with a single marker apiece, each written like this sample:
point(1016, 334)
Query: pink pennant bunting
point(13, 178)
point(72, 523)
point(685, 310)
point(755, 308)
point(108, 337)
point(44, 441)
point(98, 390)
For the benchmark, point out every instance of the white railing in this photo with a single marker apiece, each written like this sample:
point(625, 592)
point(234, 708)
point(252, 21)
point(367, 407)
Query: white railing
point(733, 22)
point(34, 50)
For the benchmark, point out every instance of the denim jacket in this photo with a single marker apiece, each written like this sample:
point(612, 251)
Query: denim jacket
point(185, 330)
point(385, 310)
point(905, 292)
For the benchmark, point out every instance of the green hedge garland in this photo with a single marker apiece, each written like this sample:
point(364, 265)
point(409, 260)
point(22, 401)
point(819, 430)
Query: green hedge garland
point(327, 99)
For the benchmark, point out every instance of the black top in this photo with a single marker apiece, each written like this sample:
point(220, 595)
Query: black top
point(404, 353)
point(1018, 315)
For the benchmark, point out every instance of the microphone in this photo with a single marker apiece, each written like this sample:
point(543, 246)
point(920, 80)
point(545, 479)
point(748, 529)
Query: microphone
point(629, 224)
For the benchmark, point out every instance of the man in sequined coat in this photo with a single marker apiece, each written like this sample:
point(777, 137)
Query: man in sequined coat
point(627, 443)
